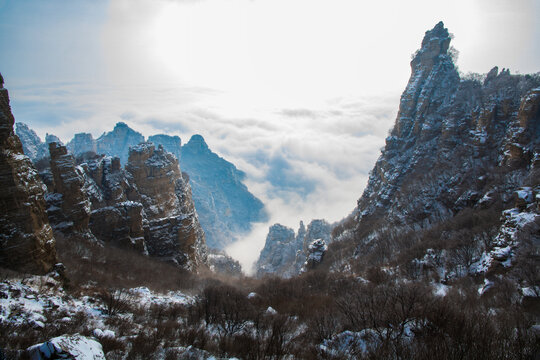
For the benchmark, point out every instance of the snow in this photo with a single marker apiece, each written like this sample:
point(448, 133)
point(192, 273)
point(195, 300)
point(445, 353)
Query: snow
point(103, 333)
point(78, 346)
point(484, 287)
point(271, 311)
point(440, 289)
point(146, 297)
point(526, 194)
point(252, 295)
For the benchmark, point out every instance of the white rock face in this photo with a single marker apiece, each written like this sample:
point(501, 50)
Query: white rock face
point(67, 347)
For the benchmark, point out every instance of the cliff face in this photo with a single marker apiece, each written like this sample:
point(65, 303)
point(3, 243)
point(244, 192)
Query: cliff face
point(173, 230)
point(459, 151)
point(448, 135)
point(287, 255)
point(117, 213)
point(69, 207)
point(225, 206)
point(26, 238)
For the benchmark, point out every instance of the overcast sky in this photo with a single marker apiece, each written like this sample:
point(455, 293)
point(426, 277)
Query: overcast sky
point(299, 94)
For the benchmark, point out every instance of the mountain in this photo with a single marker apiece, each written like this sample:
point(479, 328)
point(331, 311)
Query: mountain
point(172, 144)
point(225, 205)
point(82, 143)
point(457, 183)
point(173, 226)
point(26, 238)
point(286, 254)
point(118, 141)
point(32, 145)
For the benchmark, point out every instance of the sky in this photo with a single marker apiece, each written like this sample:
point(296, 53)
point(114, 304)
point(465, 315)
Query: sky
point(299, 94)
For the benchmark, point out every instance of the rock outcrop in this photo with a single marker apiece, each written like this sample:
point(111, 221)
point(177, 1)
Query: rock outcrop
point(67, 347)
point(460, 149)
point(117, 215)
point(315, 254)
point(226, 207)
point(26, 238)
point(285, 254)
point(173, 231)
point(118, 141)
point(72, 206)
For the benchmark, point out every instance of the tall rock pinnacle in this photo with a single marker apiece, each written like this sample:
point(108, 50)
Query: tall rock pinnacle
point(26, 238)
point(433, 76)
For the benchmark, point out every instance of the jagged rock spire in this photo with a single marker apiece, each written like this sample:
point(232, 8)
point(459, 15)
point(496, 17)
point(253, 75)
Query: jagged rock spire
point(433, 76)
point(26, 238)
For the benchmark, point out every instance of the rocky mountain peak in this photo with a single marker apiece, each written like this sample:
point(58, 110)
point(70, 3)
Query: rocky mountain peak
point(196, 145)
point(30, 140)
point(432, 80)
point(172, 144)
point(118, 141)
point(435, 43)
point(82, 143)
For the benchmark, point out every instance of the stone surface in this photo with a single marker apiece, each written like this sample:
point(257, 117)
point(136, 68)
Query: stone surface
point(26, 238)
point(316, 250)
point(173, 231)
point(68, 192)
point(117, 212)
point(220, 263)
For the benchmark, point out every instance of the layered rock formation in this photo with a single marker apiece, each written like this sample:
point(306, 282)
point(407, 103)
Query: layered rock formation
point(460, 148)
point(26, 238)
point(68, 204)
point(118, 141)
point(285, 254)
point(226, 207)
point(117, 213)
point(173, 230)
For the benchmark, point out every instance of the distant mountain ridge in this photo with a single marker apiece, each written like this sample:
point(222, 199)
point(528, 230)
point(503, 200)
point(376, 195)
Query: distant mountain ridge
point(225, 206)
